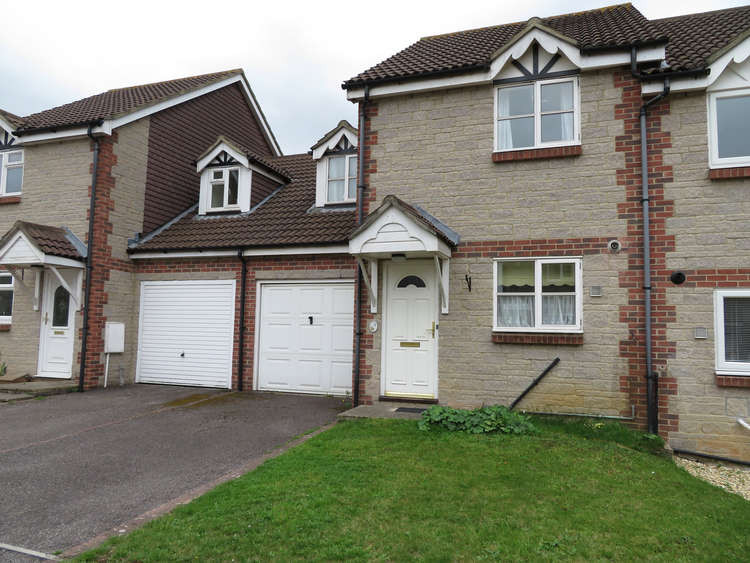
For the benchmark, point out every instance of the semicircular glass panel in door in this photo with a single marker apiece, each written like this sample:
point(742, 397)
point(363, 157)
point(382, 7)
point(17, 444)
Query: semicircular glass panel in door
point(61, 307)
point(406, 281)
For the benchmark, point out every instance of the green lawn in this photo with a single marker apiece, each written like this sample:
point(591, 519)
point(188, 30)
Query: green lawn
point(383, 490)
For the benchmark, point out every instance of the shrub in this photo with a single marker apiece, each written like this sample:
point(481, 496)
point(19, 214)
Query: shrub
point(478, 421)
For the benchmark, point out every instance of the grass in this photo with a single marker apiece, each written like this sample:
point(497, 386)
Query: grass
point(383, 490)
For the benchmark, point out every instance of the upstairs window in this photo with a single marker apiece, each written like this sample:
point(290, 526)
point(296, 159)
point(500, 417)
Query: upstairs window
point(540, 114)
point(6, 298)
point(224, 189)
point(11, 172)
point(342, 179)
point(541, 295)
point(729, 121)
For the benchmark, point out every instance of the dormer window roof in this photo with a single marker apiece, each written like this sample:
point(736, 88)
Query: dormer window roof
point(336, 160)
point(227, 170)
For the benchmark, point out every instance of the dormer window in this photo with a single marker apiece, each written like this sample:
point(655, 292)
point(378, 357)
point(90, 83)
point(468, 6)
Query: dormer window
point(225, 184)
point(335, 156)
point(342, 178)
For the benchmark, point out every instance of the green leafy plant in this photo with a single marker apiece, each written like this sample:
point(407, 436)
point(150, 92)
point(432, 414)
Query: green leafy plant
point(495, 418)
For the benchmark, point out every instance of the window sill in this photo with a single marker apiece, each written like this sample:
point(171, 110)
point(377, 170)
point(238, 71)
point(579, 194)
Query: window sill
point(8, 199)
point(729, 173)
point(5, 327)
point(557, 339)
point(733, 380)
point(535, 154)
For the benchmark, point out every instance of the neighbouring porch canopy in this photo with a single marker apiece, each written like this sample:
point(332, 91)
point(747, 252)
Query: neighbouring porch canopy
point(30, 245)
point(399, 230)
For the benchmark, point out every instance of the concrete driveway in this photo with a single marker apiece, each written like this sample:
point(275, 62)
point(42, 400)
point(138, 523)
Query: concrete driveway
point(79, 465)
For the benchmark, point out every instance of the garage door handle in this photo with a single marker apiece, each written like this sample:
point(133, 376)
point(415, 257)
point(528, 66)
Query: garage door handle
point(182, 355)
point(311, 321)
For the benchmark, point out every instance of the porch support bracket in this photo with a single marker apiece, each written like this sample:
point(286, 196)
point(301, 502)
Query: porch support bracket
point(442, 273)
point(73, 293)
point(371, 281)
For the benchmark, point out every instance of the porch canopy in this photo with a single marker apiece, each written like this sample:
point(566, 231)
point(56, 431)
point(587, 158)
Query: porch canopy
point(397, 230)
point(30, 245)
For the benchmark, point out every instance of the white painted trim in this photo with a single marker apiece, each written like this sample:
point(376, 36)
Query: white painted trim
point(220, 148)
point(258, 303)
point(442, 268)
point(73, 294)
point(41, 355)
point(724, 367)
point(260, 251)
point(109, 125)
point(548, 42)
point(538, 326)
point(14, 277)
point(6, 126)
point(713, 130)
point(371, 281)
point(4, 165)
point(334, 141)
point(145, 283)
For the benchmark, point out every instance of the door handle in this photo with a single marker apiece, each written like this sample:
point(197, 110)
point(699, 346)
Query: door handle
point(311, 319)
point(46, 318)
point(433, 329)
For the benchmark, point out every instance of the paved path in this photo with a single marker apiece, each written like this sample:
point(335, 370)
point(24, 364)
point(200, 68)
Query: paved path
point(74, 466)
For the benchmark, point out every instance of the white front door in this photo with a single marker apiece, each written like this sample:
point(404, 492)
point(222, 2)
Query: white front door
point(305, 337)
point(410, 338)
point(57, 333)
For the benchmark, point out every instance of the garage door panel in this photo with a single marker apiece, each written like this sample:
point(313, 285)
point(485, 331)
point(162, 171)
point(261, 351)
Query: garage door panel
point(319, 355)
point(186, 333)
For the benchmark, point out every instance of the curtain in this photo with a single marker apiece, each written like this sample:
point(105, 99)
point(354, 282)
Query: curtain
point(559, 309)
point(504, 133)
point(515, 310)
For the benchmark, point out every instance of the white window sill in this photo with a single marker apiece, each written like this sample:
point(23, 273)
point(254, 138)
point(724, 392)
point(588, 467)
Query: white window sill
point(734, 373)
point(566, 330)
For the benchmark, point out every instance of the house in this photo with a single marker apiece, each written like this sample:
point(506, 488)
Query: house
point(493, 232)
point(524, 139)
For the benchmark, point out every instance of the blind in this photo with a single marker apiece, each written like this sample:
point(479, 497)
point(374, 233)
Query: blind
point(737, 329)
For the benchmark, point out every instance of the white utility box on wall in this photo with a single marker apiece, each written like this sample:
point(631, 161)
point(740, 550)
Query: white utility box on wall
point(114, 338)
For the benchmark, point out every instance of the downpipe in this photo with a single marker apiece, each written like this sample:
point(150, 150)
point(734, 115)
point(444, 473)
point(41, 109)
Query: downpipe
point(360, 212)
point(652, 381)
point(89, 256)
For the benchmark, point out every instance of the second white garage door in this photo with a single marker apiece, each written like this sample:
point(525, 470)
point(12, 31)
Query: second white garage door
point(186, 333)
point(305, 337)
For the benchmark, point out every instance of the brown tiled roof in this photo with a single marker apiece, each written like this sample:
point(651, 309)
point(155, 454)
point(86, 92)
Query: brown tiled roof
point(118, 102)
point(693, 38)
point(287, 218)
point(12, 119)
point(611, 26)
point(50, 240)
point(264, 162)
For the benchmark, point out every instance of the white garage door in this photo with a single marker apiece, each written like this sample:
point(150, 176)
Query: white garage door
point(186, 333)
point(305, 337)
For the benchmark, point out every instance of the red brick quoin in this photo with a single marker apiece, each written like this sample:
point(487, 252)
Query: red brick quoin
point(633, 313)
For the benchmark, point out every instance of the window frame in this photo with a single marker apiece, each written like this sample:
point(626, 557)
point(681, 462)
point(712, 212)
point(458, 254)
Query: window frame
point(538, 326)
point(724, 367)
point(4, 171)
point(225, 181)
point(8, 319)
point(538, 144)
point(347, 158)
point(714, 161)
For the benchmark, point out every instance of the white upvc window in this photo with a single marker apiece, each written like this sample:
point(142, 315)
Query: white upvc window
point(223, 189)
point(732, 328)
point(728, 124)
point(342, 179)
point(11, 172)
point(540, 114)
point(6, 298)
point(537, 295)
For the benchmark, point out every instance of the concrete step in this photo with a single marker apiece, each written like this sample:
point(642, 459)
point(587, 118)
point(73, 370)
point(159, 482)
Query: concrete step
point(38, 387)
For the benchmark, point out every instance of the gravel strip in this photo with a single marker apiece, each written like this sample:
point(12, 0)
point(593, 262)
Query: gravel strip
point(733, 478)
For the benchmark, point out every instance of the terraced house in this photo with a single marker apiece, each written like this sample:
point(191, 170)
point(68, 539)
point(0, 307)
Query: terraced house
point(563, 196)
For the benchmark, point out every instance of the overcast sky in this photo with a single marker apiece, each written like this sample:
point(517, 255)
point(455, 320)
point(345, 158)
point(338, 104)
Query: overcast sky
point(295, 54)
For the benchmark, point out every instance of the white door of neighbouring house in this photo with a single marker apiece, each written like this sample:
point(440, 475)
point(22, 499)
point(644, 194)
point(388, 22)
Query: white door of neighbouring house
point(186, 333)
point(57, 332)
point(410, 339)
point(305, 337)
